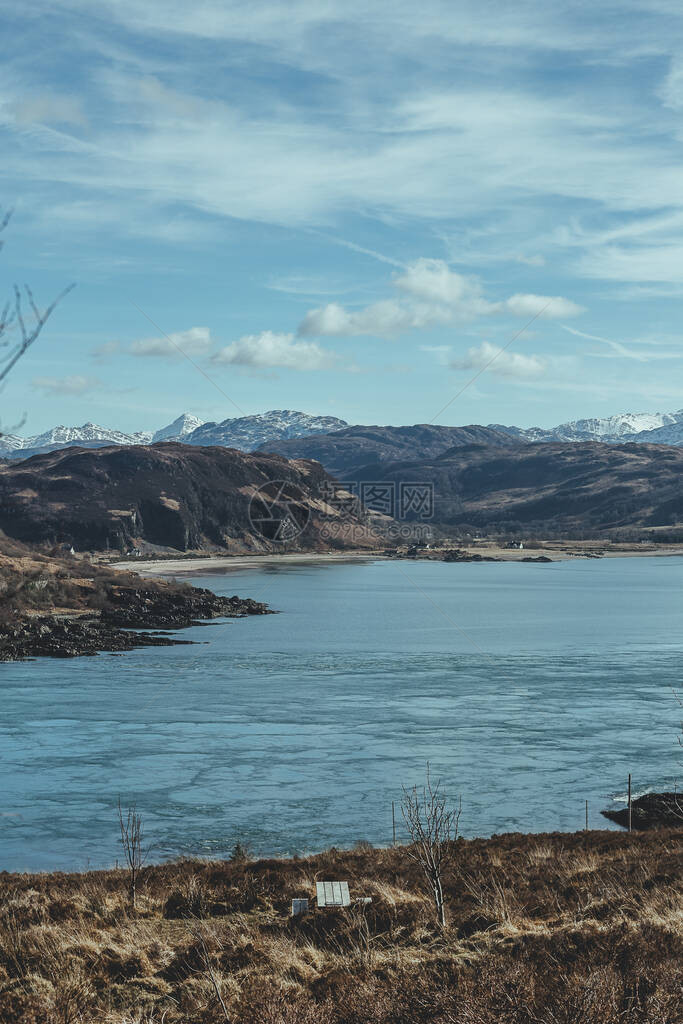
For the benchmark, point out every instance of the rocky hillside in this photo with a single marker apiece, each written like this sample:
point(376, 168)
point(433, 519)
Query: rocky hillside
point(561, 489)
point(169, 496)
point(347, 451)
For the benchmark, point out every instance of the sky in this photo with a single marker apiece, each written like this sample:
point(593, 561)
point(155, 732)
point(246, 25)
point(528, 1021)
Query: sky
point(453, 212)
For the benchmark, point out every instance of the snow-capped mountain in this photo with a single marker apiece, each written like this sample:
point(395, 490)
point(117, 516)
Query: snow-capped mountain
point(251, 432)
point(244, 432)
point(88, 432)
point(650, 427)
point(10, 443)
point(670, 433)
point(180, 428)
point(90, 435)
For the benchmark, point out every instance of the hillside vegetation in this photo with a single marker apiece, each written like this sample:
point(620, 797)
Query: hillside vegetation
point(558, 929)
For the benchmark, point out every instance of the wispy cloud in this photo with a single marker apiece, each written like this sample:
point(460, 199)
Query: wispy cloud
point(194, 342)
point(66, 386)
point(618, 349)
point(501, 362)
point(48, 108)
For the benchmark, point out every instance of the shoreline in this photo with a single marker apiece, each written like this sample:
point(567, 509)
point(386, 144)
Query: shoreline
point(224, 564)
point(220, 564)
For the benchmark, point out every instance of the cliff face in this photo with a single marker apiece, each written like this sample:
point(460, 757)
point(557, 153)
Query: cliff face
point(168, 496)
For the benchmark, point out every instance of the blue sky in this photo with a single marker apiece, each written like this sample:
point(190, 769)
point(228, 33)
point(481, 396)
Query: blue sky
point(350, 208)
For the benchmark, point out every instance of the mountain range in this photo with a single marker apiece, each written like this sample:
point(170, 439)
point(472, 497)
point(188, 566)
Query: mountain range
point(250, 433)
point(244, 432)
point(174, 496)
point(644, 427)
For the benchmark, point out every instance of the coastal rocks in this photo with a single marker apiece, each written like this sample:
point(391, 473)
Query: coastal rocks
point(52, 637)
point(115, 628)
point(173, 609)
point(653, 810)
point(458, 555)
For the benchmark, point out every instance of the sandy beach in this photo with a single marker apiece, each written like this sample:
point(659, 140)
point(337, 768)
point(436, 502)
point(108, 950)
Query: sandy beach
point(220, 564)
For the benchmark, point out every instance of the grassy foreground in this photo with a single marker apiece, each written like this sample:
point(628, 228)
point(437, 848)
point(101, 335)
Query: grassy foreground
point(558, 928)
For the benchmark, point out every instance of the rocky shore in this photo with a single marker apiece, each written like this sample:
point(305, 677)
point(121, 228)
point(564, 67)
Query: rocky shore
point(115, 628)
point(154, 609)
point(653, 810)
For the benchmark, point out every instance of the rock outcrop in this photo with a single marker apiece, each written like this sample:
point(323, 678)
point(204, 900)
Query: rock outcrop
point(653, 810)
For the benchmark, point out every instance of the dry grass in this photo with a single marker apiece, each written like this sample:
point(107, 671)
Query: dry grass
point(558, 929)
point(39, 582)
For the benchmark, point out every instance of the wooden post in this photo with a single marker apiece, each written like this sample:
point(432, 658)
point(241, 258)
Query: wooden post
point(630, 813)
point(586, 815)
point(393, 822)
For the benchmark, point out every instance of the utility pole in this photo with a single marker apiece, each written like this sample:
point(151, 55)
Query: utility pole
point(630, 812)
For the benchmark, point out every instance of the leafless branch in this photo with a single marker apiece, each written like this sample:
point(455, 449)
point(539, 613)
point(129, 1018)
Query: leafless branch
point(131, 840)
point(433, 828)
point(28, 332)
point(13, 318)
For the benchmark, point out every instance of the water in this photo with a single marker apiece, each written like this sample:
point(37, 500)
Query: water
point(529, 688)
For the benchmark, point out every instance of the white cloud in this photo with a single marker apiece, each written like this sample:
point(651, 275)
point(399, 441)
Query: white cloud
point(383, 319)
point(76, 385)
point(269, 350)
point(194, 342)
point(546, 306)
point(434, 281)
point(499, 361)
point(430, 293)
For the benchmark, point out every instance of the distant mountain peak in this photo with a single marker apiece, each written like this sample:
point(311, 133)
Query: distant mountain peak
point(180, 427)
point(251, 432)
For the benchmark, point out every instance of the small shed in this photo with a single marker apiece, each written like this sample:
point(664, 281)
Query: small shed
point(332, 894)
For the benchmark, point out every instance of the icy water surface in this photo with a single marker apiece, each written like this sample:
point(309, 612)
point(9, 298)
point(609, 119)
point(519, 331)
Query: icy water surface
point(529, 688)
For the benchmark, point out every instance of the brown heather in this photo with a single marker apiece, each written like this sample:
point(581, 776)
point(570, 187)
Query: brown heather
point(550, 929)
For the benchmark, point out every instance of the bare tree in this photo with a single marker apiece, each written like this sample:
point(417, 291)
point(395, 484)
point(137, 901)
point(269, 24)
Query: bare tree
point(131, 840)
point(433, 828)
point(21, 320)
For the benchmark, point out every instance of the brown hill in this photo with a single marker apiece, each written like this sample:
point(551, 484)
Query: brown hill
point(345, 452)
point(569, 489)
point(166, 496)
